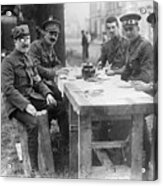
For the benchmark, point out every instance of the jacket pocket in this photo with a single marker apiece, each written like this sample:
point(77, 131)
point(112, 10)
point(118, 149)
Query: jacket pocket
point(20, 77)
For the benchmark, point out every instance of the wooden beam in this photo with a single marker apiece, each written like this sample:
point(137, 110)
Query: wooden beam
point(84, 148)
point(73, 136)
point(103, 158)
point(45, 150)
point(108, 144)
point(137, 147)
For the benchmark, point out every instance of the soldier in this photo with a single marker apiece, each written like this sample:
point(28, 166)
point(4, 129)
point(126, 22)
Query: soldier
point(151, 143)
point(44, 57)
point(24, 91)
point(139, 56)
point(84, 44)
point(48, 65)
point(113, 50)
point(151, 87)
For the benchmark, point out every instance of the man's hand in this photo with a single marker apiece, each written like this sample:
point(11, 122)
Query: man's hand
point(62, 71)
point(50, 100)
point(30, 109)
point(109, 72)
point(37, 78)
point(99, 65)
point(141, 86)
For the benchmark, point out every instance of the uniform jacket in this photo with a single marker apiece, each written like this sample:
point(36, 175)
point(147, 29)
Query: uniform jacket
point(139, 61)
point(20, 82)
point(114, 51)
point(44, 58)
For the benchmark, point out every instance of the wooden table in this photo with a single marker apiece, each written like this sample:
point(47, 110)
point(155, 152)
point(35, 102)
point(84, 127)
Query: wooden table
point(108, 98)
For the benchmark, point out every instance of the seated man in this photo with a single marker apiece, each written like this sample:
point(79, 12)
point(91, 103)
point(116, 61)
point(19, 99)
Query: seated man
point(114, 49)
point(151, 120)
point(44, 56)
point(25, 93)
point(151, 87)
point(48, 65)
point(139, 56)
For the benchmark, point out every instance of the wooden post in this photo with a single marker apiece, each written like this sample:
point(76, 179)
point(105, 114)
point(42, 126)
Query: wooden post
point(46, 162)
point(73, 131)
point(137, 147)
point(84, 149)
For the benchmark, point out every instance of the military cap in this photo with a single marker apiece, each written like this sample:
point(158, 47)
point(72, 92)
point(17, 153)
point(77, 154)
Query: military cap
point(50, 21)
point(130, 19)
point(151, 18)
point(20, 31)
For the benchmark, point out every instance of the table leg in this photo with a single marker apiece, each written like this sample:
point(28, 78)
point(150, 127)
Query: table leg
point(73, 135)
point(137, 147)
point(84, 149)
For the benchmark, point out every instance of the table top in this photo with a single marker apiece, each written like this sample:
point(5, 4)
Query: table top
point(107, 92)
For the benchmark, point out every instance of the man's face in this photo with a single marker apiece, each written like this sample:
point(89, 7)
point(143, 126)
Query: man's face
point(51, 34)
point(131, 31)
point(22, 44)
point(112, 29)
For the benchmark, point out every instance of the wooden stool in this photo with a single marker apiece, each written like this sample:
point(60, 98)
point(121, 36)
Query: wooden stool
point(45, 155)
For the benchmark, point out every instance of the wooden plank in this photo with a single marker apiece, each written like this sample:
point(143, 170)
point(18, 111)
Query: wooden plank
point(103, 158)
point(82, 92)
point(108, 144)
point(84, 149)
point(83, 105)
point(104, 117)
point(120, 110)
point(137, 147)
point(73, 135)
point(45, 146)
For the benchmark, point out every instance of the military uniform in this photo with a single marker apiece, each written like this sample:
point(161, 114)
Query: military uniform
point(139, 61)
point(22, 86)
point(46, 61)
point(139, 55)
point(19, 81)
point(19, 84)
point(139, 66)
point(114, 51)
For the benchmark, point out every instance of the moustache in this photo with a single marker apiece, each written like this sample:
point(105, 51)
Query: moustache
point(25, 46)
point(52, 40)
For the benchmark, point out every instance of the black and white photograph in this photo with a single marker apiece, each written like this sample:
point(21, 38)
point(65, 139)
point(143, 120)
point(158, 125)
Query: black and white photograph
point(79, 90)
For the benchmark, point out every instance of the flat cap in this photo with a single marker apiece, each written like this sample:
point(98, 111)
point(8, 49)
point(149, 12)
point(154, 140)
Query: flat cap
point(130, 19)
point(50, 21)
point(151, 18)
point(20, 31)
